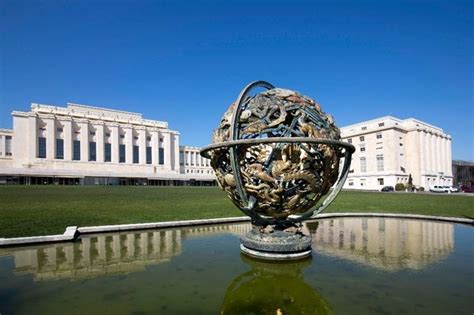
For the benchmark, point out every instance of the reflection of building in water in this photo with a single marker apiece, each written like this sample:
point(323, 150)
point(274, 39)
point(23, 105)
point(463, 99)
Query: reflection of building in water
point(390, 244)
point(108, 253)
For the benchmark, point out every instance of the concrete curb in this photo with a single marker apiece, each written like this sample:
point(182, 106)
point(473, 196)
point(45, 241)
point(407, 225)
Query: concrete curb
point(72, 232)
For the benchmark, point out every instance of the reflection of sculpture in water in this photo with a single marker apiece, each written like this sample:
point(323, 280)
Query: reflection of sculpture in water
point(271, 288)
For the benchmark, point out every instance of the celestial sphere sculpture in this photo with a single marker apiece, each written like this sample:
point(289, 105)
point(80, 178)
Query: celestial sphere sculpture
point(276, 154)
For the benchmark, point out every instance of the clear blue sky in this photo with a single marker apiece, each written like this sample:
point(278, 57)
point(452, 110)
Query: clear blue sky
point(186, 62)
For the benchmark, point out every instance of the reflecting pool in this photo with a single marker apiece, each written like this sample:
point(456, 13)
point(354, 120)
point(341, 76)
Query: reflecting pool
point(358, 266)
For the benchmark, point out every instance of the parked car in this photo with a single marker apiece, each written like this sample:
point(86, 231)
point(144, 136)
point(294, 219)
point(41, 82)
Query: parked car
point(438, 189)
point(388, 188)
point(467, 189)
point(452, 189)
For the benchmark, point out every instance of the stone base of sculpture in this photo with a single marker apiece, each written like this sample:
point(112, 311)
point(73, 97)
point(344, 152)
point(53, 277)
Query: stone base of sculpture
point(275, 244)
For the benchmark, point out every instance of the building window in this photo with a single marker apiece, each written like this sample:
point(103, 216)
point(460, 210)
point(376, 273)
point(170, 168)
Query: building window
point(181, 158)
point(8, 145)
point(380, 180)
point(363, 165)
point(122, 153)
point(59, 149)
point(161, 156)
point(122, 136)
point(148, 138)
point(349, 140)
point(379, 163)
point(148, 155)
point(76, 150)
point(362, 149)
point(401, 144)
point(362, 138)
point(107, 135)
point(381, 124)
point(41, 147)
point(59, 129)
point(364, 128)
point(92, 133)
point(92, 151)
point(351, 183)
point(107, 152)
point(135, 154)
point(379, 135)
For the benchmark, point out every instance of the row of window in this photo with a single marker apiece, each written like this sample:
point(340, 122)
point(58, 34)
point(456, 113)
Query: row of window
point(363, 163)
point(378, 135)
point(92, 133)
point(198, 171)
point(362, 182)
point(76, 152)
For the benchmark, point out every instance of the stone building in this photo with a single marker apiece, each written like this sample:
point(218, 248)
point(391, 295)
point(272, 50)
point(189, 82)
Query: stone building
point(389, 149)
point(81, 144)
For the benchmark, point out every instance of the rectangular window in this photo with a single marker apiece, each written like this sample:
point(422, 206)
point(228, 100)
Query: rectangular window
point(362, 149)
point(381, 124)
point(8, 145)
point(362, 138)
point(59, 129)
point(122, 153)
point(148, 155)
point(380, 163)
point(92, 151)
point(181, 158)
point(107, 152)
point(59, 149)
point(41, 147)
point(349, 140)
point(380, 180)
point(161, 156)
point(76, 150)
point(135, 154)
point(364, 128)
point(351, 183)
point(363, 165)
point(379, 135)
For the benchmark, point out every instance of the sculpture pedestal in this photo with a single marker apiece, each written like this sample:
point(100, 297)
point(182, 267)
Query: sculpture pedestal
point(275, 245)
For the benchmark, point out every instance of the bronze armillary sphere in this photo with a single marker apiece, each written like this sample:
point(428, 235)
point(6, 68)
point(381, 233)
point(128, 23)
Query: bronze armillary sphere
point(276, 154)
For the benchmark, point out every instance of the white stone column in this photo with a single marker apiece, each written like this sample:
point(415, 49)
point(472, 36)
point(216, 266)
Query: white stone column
point(128, 144)
point(142, 146)
point(114, 141)
point(432, 153)
point(99, 143)
point(450, 159)
point(84, 141)
point(188, 157)
point(444, 155)
point(176, 152)
point(32, 138)
point(50, 138)
point(427, 152)
point(421, 151)
point(439, 167)
point(67, 139)
point(154, 147)
point(194, 158)
point(167, 148)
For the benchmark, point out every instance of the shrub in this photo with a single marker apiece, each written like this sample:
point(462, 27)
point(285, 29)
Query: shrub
point(399, 186)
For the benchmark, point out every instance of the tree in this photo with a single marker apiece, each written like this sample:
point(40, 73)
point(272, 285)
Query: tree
point(410, 183)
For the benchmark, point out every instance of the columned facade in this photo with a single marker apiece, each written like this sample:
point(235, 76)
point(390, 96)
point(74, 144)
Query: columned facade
point(92, 145)
point(394, 149)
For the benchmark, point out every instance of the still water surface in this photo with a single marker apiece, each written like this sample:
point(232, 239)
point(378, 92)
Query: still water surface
point(359, 266)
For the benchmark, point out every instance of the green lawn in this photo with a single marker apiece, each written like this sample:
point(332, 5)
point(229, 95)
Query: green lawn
point(40, 210)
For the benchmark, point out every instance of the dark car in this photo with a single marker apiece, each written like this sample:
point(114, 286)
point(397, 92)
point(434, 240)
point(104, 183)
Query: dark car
point(467, 189)
point(388, 188)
